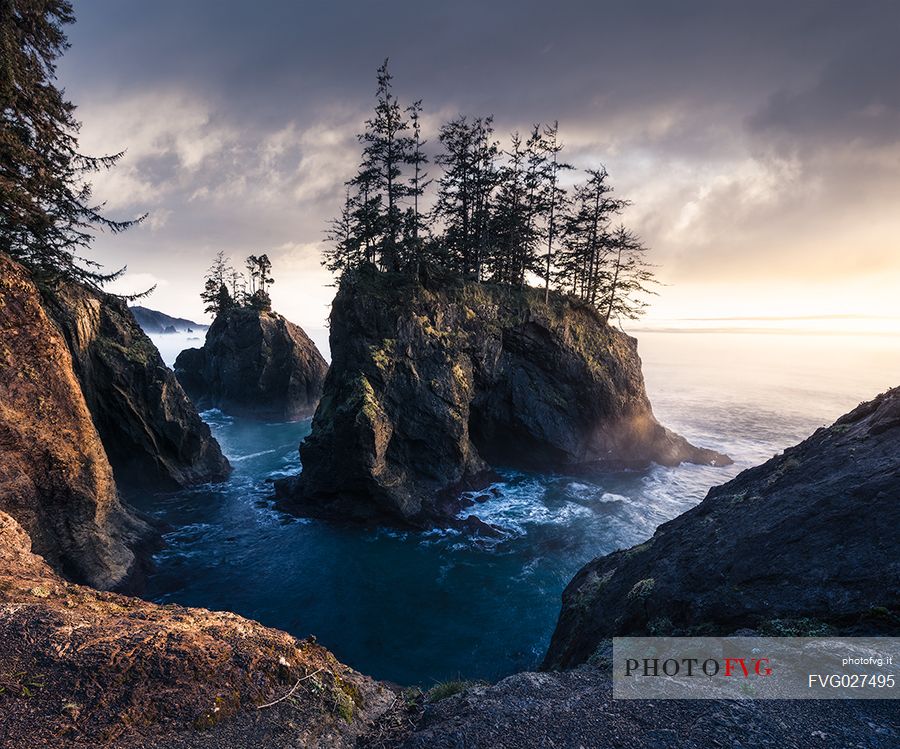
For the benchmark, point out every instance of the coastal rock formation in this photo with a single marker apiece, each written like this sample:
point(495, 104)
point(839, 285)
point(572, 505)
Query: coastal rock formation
point(254, 364)
point(152, 321)
point(83, 668)
point(432, 383)
point(151, 431)
point(55, 479)
point(803, 544)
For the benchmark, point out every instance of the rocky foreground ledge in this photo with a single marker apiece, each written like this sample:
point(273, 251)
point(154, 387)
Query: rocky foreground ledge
point(433, 382)
point(79, 667)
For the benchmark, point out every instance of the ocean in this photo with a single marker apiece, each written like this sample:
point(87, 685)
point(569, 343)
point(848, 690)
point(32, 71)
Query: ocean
point(418, 608)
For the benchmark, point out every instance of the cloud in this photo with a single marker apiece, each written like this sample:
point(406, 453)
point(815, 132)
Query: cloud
point(136, 283)
point(753, 138)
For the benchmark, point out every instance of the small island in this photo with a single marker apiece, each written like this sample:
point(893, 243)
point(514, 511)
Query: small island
point(447, 360)
point(254, 363)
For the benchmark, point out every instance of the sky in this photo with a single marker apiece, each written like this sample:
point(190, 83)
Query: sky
point(758, 142)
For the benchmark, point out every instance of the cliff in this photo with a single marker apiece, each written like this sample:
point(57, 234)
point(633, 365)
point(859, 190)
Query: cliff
point(431, 384)
point(803, 544)
point(83, 668)
point(153, 321)
point(254, 364)
point(55, 479)
point(152, 433)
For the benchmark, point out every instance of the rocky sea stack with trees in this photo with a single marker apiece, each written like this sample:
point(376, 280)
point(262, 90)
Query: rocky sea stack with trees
point(446, 361)
point(254, 362)
point(434, 380)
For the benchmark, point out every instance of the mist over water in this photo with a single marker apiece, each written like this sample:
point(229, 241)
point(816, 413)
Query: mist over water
point(416, 608)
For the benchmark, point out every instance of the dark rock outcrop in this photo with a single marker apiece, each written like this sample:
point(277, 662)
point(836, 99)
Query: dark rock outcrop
point(83, 668)
point(575, 709)
point(430, 387)
point(805, 543)
point(254, 364)
point(55, 479)
point(152, 433)
point(153, 321)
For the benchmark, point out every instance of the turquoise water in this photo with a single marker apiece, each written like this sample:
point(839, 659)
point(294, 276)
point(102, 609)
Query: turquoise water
point(417, 608)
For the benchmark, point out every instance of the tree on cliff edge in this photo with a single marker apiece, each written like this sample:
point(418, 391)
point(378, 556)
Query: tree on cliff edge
point(500, 216)
point(388, 147)
point(48, 218)
point(215, 295)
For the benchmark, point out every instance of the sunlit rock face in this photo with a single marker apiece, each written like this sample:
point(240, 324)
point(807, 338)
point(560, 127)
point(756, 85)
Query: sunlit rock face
point(433, 382)
point(55, 479)
point(254, 364)
point(87, 668)
point(153, 435)
point(804, 544)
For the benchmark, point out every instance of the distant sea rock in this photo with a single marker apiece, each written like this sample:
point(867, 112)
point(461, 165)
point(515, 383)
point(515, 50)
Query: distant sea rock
point(153, 321)
point(434, 382)
point(805, 544)
point(153, 435)
point(55, 479)
point(254, 364)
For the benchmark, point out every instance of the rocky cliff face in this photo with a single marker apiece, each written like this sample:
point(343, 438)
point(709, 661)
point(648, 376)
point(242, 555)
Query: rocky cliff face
point(254, 364)
point(429, 387)
point(84, 668)
point(55, 479)
point(151, 430)
point(803, 544)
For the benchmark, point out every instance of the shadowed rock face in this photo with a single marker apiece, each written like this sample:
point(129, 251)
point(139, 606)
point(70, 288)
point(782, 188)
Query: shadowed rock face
point(101, 669)
point(254, 364)
point(430, 386)
point(149, 427)
point(55, 479)
point(805, 543)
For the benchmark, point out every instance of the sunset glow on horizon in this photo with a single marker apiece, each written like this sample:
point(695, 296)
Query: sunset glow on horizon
point(763, 174)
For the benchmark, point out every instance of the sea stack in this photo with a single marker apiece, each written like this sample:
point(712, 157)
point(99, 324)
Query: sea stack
point(254, 364)
point(434, 382)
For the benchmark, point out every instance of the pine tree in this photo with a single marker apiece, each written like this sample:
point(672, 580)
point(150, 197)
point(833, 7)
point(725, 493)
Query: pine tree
point(630, 276)
point(414, 228)
point(260, 273)
point(463, 201)
point(216, 297)
point(586, 240)
point(48, 218)
point(556, 196)
point(344, 235)
point(387, 149)
point(367, 212)
point(510, 221)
